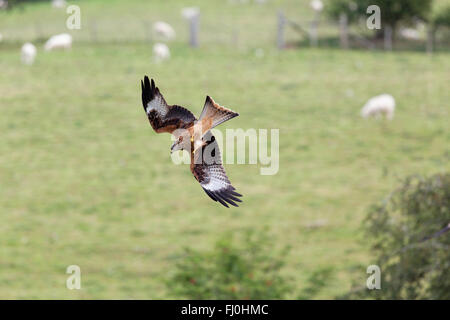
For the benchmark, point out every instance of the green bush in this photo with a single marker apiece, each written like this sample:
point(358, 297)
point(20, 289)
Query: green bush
point(442, 18)
point(412, 253)
point(352, 9)
point(19, 3)
point(393, 12)
point(231, 271)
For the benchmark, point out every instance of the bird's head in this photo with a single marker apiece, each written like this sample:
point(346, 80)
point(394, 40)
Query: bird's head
point(182, 142)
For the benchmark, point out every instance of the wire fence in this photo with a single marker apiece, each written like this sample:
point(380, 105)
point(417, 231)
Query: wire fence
point(278, 30)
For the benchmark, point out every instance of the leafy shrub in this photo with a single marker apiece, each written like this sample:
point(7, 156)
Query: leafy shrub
point(393, 12)
point(316, 282)
point(410, 240)
point(442, 18)
point(231, 271)
point(352, 9)
point(19, 3)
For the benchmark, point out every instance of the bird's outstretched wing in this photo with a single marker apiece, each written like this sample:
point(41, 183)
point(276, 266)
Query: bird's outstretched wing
point(206, 166)
point(162, 117)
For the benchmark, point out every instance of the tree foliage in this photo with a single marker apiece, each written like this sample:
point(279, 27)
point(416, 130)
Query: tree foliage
point(442, 18)
point(19, 3)
point(393, 12)
point(353, 9)
point(410, 240)
point(231, 271)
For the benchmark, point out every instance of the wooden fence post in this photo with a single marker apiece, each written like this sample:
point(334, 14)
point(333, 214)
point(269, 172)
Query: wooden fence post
point(280, 30)
point(430, 38)
point(343, 30)
point(194, 26)
point(313, 30)
point(388, 37)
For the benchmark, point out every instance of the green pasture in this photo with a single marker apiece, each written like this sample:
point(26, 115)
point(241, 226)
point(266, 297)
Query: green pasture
point(84, 180)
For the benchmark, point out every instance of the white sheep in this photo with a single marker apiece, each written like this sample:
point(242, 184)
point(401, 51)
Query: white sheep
point(161, 52)
point(190, 13)
point(28, 53)
point(409, 34)
point(164, 30)
point(59, 41)
point(378, 105)
point(59, 4)
point(3, 4)
point(316, 5)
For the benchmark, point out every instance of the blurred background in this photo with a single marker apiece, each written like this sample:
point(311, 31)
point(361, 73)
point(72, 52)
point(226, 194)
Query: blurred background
point(85, 181)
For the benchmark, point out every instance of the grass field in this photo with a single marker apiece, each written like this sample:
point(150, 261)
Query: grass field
point(84, 179)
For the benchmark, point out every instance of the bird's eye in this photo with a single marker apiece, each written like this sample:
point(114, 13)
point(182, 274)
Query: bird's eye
point(180, 138)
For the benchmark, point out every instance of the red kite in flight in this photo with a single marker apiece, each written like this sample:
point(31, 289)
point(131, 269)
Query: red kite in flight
point(193, 134)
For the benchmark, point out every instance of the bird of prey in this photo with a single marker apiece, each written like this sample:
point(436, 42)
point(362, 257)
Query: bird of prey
point(193, 135)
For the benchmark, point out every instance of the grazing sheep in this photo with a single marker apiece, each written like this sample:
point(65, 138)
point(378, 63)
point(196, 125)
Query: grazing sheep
point(317, 5)
point(190, 12)
point(409, 34)
point(378, 105)
point(59, 4)
point(164, 30)
point(59, 41)
point(161, 52)
point(28, 53)
point(3, 4)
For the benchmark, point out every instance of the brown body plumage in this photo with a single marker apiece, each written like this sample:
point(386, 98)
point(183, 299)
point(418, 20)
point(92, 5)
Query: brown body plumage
point(194, 136)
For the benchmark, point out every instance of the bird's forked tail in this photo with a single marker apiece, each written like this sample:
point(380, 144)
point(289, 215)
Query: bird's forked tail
point(214, 114)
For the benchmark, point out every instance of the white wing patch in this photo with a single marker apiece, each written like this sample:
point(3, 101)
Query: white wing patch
point(159, 105)
point(218, 179)
point(212, 176)
point(152, 99)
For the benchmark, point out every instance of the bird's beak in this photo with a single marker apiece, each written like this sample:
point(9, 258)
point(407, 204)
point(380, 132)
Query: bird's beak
point(171, 148)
